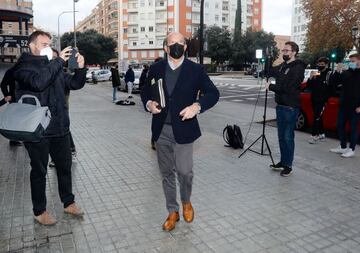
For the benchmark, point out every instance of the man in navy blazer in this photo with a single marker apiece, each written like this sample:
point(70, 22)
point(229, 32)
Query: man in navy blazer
point(175, 126)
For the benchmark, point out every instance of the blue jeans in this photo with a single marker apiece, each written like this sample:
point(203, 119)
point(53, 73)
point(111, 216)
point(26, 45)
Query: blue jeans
point(343, 117)
point(286, 120)
point(114, 93)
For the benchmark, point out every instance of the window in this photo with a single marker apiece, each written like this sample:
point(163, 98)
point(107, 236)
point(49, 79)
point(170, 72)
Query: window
point(216, 17)
point(151, 54)
point(134, 43)
point(143, 54)
point(188, 15)
point(142, 29)
point(188, 3)
point(151, 42)
point(171, 14)
point(133, 54)
point(126, 55)
point(188, 28)
point(151, 28)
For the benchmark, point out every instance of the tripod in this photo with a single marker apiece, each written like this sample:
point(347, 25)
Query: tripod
point(262, 137)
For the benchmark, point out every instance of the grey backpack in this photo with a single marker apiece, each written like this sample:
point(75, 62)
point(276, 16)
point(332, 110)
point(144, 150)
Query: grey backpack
point(24, 122)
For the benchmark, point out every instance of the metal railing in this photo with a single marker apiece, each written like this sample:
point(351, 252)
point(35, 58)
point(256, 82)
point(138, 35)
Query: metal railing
point(14, 32)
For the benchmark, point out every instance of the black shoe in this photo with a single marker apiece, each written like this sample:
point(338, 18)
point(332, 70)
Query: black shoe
point(277, 167)
point(130, 96)
point(286, 171)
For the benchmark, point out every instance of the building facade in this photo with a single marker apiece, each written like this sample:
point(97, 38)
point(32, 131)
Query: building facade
point(141, 26)
point(299, 24)
point(15, 25)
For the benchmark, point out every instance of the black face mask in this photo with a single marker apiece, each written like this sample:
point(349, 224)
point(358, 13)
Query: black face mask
point(321, 68)
point(286, 57)
point(176, 51)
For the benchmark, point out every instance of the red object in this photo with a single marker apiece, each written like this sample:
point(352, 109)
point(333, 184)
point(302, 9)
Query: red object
point(329, 116)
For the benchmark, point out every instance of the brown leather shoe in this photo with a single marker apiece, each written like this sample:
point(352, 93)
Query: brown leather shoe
point(188, 212)
point(45, 219)
point(171, 221)
point(74, 210)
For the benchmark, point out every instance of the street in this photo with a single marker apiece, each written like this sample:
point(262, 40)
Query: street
point(245, 90)
point(240, 204)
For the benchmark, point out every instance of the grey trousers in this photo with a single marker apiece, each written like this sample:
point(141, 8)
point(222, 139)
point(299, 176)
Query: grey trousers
point(174, 158)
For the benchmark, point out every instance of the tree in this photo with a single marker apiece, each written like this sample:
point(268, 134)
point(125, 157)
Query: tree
point(96, 48)
point(330, 24)
point(238, 22)
point(244, 49)
point(219, 44)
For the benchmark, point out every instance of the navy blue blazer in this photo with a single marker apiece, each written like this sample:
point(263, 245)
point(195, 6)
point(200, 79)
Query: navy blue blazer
point(192, 79)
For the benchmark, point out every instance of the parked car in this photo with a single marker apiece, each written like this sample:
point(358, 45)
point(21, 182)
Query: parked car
point(305, 118)
point(100, 75)
point(123, 86)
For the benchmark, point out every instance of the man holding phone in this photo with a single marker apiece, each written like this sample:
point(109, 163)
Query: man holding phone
point(38, 74)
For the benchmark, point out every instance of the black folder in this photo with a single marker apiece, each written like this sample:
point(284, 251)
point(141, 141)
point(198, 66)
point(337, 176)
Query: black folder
point(158, 93)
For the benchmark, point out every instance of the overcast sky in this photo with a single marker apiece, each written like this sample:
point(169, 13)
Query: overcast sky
point(276, 15)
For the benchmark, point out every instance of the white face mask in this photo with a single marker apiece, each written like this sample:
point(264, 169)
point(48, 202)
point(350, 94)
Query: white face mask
point(47, 51)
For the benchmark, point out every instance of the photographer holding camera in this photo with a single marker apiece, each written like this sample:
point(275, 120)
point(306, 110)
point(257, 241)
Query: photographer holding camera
point(39, 75)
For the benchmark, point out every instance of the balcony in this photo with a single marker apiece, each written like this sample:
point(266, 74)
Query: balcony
point(133, 35)
point(6, 9)
point(14, 32)
point(161, 20)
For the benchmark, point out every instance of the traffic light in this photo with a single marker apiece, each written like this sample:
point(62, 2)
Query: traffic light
point(262, 60)
point(333, 56)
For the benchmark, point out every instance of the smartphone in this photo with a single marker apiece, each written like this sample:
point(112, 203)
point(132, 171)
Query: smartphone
point(73, 64)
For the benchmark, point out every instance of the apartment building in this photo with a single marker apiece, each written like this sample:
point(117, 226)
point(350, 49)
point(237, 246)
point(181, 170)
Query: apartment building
point(299, 24)
point(141, 26)
point(15, 25)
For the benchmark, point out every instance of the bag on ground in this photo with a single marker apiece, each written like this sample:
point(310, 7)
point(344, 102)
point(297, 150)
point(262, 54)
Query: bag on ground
point(24, 122)
point(233, 137)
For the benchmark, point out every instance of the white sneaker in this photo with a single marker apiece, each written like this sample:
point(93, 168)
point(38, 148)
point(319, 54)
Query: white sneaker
point(339, 150)
point(349, 153)
point(314, 139)
point(321, 136)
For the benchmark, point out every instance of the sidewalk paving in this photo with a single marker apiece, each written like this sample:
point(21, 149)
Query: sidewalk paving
point(240, 205)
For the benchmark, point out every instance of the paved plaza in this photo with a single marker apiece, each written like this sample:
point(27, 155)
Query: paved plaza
point(240, 205)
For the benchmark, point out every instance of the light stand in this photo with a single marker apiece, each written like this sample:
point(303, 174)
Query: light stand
point(262, 137)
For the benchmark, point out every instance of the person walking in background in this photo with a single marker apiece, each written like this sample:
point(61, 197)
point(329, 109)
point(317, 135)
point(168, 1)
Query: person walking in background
point(175, 126)
point(115, 79)
point(319, 84)
point(143, 76)
point(289, 76)
point(349, 105)
point(67, 98)
point(129, 80)
point(38, 75)
point(8, 90)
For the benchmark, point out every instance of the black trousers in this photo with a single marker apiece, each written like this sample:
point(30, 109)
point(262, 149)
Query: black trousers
point(59, 149)
point(318, 127)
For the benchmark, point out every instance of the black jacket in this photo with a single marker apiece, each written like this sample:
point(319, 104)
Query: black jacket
point(8, 84)
point(350, 88)
point(192, 79)
point(47, 81)
point(288, 80)
point(115, 78)
point(320, 87)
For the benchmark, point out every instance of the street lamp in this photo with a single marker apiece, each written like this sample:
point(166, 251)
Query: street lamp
point(201, 32)
point(75, 1)
point(356, 37)
point(59, 44)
